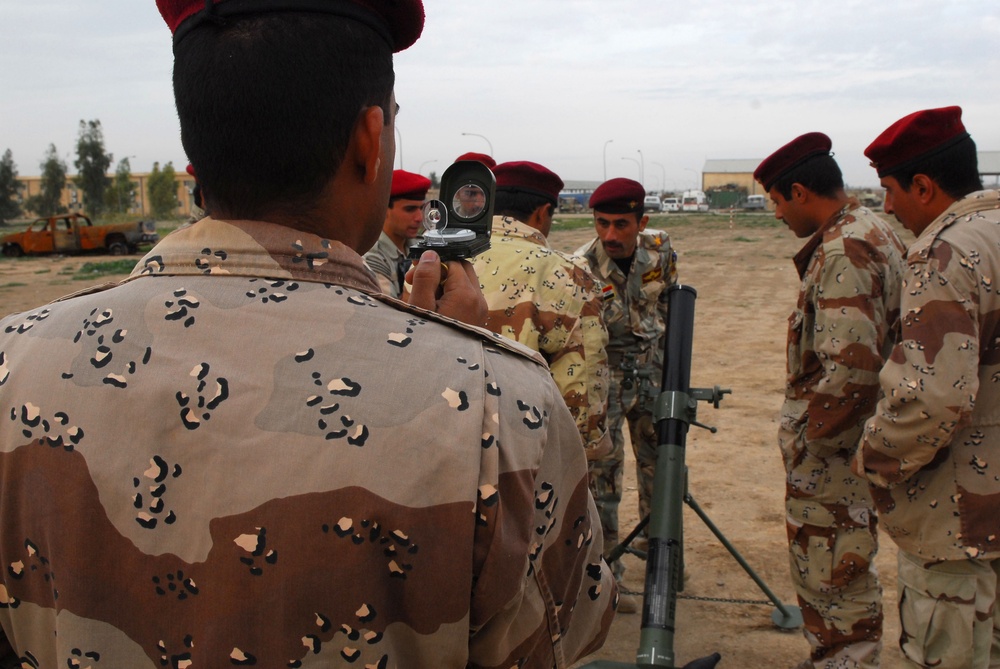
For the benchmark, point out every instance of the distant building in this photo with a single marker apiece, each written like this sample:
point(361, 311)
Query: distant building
point(72, 196)
point(989, 166)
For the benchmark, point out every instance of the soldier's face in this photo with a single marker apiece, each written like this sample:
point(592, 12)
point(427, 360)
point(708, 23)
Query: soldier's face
point(619, 233)
point(789, 212)
point(403, 220)
point(904, 205)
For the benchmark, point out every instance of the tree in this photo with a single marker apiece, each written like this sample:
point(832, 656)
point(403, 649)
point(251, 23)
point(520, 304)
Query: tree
point(10, 208)
point(121, 195)
point(162, 186)
point(49, 201)
point(435, 182)
point(92, 164)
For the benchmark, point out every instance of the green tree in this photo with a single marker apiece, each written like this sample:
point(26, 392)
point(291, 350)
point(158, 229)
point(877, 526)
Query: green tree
point(92, 163)
point(121, 195)
point(49, 201)
point(435, 182)
point(10, 208)
point(162, 187)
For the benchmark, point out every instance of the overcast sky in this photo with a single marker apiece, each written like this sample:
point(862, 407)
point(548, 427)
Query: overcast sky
point(553, 81)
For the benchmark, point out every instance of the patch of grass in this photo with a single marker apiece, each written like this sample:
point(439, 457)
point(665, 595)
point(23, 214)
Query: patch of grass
point(92, 270)
point(42, 271)
point(741, 238)
point(13, 284)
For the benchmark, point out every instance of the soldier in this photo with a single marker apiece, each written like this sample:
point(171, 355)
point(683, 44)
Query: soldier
point(402, 223)
point(839, 335)
point(545, 299)
point(245, 453)
point(636, 267)
point(932, 449)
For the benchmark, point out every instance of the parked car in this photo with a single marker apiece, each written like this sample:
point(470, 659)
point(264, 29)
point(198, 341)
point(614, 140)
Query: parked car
point(755, 202)
point(73, 233)
point(651, 203)
point(694, 200)
point(670, 204)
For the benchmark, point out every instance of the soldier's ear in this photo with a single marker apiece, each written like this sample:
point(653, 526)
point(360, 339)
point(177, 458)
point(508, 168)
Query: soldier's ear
point(923, 188)
point(799, 193)
point(642, 223)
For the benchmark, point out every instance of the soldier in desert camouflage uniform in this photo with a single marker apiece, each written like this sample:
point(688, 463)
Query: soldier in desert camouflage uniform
point(932, 449)
point(246, 454)
point(403, 221)
point(545, 299)
point(839, 335)
point(636, 266)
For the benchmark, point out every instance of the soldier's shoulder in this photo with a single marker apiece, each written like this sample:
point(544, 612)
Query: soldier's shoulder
point(654, 239)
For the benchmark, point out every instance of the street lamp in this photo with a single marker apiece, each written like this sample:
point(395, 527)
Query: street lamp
point(420, 170)
point(663, 171)
point(472, 134)
point(606, 158)
point(400, 146)
point(636, 164)
point(642, 170)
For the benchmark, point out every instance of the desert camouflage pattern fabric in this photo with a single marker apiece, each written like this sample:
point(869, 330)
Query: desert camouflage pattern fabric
point(549, 302)
point(839, 334)
point(386, 261)
point(932, 449)
point(244, 455)
point(635, 313)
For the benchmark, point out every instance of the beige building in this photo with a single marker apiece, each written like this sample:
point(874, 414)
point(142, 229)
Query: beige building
point(72, 196)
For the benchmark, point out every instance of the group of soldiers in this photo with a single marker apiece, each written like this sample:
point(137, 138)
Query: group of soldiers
point(597, 316)
point(253, 452)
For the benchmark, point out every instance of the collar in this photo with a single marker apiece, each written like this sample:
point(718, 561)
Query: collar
point(505, 226)
point(806, 253)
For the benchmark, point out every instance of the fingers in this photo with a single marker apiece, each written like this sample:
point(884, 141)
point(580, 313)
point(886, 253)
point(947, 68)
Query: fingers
point(450, 289)
point(425, 277)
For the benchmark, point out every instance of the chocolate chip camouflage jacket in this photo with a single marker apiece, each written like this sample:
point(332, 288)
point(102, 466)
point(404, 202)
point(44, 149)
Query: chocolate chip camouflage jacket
point(242, 455)
point(549, 302)
point(635, 307)
point(933, 446)
point(839, 335)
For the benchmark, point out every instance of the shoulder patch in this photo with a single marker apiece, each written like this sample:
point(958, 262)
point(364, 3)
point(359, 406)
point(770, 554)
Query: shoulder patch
point(652, 275)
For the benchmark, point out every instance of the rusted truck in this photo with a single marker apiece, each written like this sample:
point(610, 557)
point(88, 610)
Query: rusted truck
point(75, 233)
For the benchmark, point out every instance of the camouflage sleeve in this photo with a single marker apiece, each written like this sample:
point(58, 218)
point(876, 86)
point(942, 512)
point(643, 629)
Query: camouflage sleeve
point(668, 263)
point(846, 343)
point(385, 274)
point(931, 379)
point(542, 593)
point(592, 419)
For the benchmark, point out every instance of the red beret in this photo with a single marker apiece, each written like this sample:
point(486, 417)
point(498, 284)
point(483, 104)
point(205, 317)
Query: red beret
point(529, 177)
point(478, 157)
point(798, 151)
point(189, 169)
point(618, 196)
point(399, 22)
point(409, 186)
point(915, 137)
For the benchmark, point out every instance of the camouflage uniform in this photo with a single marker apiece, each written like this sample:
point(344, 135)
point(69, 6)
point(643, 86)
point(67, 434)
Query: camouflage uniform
point(243, 454)
point(838, 337)
point(389, 265)
point(549, 302)
point(635, 312)
point(932, 450)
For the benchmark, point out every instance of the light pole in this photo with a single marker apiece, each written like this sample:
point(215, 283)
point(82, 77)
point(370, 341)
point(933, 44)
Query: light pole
point(606, 158)
point(420, 170)
point(642, 169)
point(663, 172)
point(400, 146)
point(472, 134)
point(636, 164)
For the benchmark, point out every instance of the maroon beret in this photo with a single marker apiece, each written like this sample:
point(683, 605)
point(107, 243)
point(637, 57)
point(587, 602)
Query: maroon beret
point(478, 157)
point(916, 137)
point(409, 186)
point(399, 22)
point(189, 169)
point(618, 196)
point(798, 151)
point(529, 177)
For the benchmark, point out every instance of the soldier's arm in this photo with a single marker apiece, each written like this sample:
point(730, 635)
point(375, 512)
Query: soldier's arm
point(542, 594)
point(849, 327)
point(594, 339)
point(385, 274)
point(931, 380)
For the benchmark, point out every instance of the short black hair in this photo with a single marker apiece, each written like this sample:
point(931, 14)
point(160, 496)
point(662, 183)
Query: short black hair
point(267, 104)
point(518, 204)
point(820, 174)
point(955, 170)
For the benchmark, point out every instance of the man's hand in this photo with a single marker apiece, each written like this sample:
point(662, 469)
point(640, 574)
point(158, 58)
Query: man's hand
point(457, 296)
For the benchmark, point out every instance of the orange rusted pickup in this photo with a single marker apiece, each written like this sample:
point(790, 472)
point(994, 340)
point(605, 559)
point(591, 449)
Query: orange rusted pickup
point(73, 233)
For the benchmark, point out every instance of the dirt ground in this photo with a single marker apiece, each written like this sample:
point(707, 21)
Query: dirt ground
point(741, 268)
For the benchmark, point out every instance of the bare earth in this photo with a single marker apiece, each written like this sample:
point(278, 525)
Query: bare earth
point(747, 285)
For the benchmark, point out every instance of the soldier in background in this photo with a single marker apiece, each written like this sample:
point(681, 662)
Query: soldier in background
point(545, 299)
point(932, 449)
point(479, 158)
point(635, 266)
point(403, 221)
point(839, 335)
point(247, 454)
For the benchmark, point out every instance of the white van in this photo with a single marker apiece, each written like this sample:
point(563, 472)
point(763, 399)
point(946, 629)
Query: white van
point(670, 204)
point(755, 202)
point(694, 200)
point(651, 203)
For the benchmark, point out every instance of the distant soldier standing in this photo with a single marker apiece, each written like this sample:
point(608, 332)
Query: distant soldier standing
point(932, 449)
point(636, 267)
point(403, 221)
point(839, 335)
point(545, 299)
